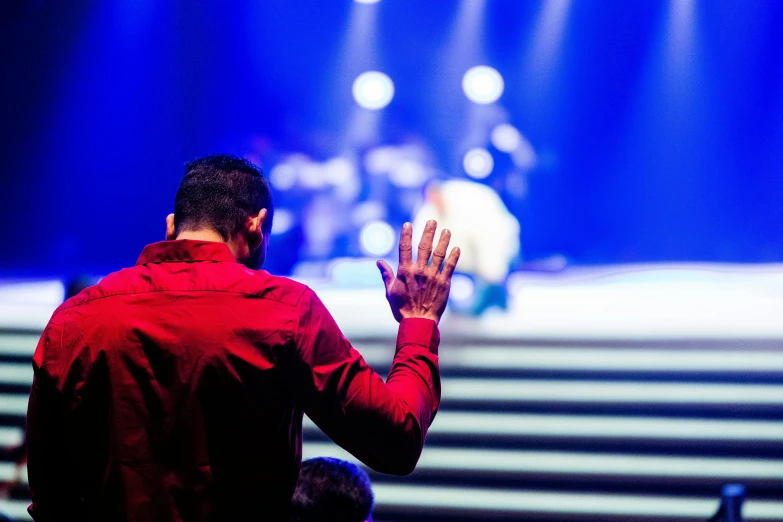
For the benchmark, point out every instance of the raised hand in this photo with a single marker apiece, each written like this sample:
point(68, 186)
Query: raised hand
point(420, 289)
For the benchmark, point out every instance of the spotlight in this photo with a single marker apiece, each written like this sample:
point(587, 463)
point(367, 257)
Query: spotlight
point(377, 238)
point(283, 176)
point(380, 160)
point(366, 212)
point(463, 290)
point(373, 90)
point(366, 1)
point(339, 171)
point(505, 137)
point(283, 222)
point(408, 174)
point(482, 84)
point(478, 163)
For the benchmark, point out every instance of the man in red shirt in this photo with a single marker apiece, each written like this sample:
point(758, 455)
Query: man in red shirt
point(174, 390)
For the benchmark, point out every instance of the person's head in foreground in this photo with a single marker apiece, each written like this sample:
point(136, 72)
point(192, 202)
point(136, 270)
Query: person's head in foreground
point(332, 490)
point(228, 199)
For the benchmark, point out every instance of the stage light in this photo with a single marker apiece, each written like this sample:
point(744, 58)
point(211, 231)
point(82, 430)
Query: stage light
point(377, 238)
point(680, 39)
point(505, 137)
point(373, 90)
point(408, 174)
point(283, 222)
point(463, 290)
point(346, 272)
point(478, 163)
point(311, 175)
point(366, 212)
point(482, 84)
point(339, 171)
point(283, 176)
point(366, 1)
point(380, 160)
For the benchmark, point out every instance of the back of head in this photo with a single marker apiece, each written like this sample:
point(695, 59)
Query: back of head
point(219, 193)
point(332, 490)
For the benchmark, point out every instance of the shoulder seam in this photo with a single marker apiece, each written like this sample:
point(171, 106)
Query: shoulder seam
point(305, 288)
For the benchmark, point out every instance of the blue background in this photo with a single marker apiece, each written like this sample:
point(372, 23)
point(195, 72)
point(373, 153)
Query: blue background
point(646, 154)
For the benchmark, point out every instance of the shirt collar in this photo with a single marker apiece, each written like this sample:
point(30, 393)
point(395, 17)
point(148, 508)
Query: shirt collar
point(185, 250)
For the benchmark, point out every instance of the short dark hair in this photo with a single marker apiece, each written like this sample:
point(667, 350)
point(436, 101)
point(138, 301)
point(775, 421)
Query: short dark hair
point(220, 192)
point(331, 489)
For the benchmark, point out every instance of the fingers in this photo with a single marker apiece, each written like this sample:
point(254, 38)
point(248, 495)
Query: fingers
point(440, 250)
point(425, 245)
point(406, 242)
point(386, 273)
point(451, 263)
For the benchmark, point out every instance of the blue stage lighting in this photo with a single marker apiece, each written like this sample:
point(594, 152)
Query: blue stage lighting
point(377, 238)
point(505, 137)
point(373, 90)
point(283, 176)
point(482, 84)
point(366, 1)
point(283, 222)
point(463, 290)
point(478, 163)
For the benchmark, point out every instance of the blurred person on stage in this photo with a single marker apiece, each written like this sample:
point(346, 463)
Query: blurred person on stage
point(332, 490)
point(488, 235)
point(175, 389)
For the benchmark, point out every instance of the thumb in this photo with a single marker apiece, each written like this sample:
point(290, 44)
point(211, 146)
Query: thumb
point(386, 273)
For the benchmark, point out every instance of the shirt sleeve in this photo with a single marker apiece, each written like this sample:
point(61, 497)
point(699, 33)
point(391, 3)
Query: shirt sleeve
point(52, 479)
point(383, 424)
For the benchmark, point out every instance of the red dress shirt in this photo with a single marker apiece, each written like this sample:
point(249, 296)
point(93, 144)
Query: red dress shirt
point(174, 391)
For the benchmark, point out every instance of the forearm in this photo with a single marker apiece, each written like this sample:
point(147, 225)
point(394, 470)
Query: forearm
point(414, 382)
point(382, 423)
point(414, 375)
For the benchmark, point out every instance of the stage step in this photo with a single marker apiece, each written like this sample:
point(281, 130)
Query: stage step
point(622, 430)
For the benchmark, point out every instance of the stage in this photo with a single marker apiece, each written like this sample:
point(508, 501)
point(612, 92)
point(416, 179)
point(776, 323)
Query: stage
point(645, 301)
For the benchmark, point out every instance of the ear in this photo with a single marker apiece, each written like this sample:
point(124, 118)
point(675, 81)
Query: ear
point(171, 231)
point(255, 225)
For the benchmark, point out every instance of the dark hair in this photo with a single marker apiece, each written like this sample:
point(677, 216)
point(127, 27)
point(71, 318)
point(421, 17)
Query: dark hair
point(220, 192)
point(331, 489)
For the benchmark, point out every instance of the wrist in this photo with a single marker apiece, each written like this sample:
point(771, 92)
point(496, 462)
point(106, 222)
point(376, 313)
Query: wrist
point(418, 331)
point(420, 315)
